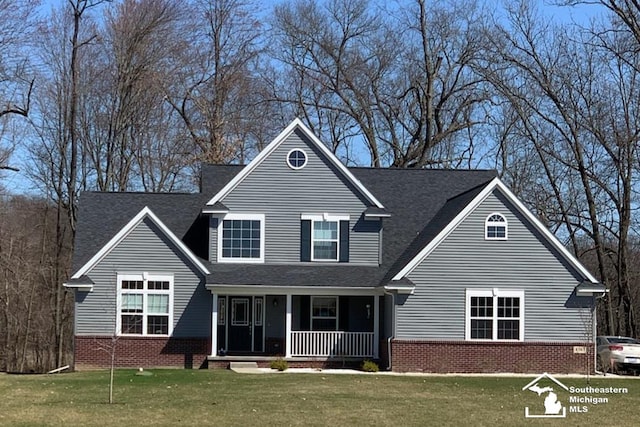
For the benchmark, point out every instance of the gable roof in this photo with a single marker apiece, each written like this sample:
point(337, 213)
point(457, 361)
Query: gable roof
point(415, 198)
point(122, 233)
point(496, 184)
point(296, 124)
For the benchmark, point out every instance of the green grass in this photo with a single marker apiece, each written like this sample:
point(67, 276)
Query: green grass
point(192, 397)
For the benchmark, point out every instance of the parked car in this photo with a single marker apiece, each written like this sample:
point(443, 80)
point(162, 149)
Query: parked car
point(616, 354)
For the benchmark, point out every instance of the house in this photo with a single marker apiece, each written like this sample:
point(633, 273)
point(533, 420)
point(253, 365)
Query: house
point(296, 255)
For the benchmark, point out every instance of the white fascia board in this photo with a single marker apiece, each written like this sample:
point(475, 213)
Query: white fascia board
point(80, 287)
point(402, 290)
point(219, 288)
point(124, 232)
point(215, 211)
point(274, 144)
point(495, 183)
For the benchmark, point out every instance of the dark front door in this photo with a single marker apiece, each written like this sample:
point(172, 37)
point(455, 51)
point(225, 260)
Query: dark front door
point(240, 324)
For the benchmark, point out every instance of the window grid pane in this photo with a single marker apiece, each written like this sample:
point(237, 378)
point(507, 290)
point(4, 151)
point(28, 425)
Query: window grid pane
point(508, 329)
point(158, 304)
point(508, 307)
point(495, 232)
point(496, 227)
point(132, 284)
point(132, 303)
point(481, 307)
point(241, 238)
point(131, 324)
point(481, 329)
point(158, 325)
point(158, 285)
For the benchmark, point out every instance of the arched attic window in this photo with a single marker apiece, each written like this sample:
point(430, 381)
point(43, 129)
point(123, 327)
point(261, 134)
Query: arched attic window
point(495, 227)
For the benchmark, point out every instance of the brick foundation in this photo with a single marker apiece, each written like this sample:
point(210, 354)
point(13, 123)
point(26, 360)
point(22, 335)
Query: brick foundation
point(143, 352)
point(483, 357)
point(312, 364)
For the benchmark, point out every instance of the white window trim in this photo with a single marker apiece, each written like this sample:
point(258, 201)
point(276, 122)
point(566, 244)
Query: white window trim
point(325, 217)
point(494, 293)
point(145, 278)
point(306, 158)
point(337, 317)
point(237, 216)
point(488, 223)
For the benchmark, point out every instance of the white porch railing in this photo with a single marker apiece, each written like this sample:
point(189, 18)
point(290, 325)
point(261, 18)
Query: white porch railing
point(331, 344)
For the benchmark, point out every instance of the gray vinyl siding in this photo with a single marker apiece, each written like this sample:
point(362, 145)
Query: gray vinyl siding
point(466, 260)
point(283, 194)
point(145, 249)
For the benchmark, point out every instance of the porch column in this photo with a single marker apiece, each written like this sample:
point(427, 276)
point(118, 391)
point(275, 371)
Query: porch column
point(214, 325)
point(376, 326)
point(287, 328)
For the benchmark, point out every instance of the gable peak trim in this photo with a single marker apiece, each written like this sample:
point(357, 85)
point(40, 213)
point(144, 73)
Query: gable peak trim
point(296, 123)
point(146, 212)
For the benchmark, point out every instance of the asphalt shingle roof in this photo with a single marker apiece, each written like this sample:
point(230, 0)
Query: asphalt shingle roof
point(421, 203)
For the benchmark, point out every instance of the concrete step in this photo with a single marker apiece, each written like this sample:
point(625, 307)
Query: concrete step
point(243, 365)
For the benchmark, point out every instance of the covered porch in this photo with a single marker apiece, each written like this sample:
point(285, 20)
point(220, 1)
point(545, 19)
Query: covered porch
point(302, 323)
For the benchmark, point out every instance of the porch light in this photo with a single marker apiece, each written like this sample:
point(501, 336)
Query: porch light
point(368, 311)
point(275, 302)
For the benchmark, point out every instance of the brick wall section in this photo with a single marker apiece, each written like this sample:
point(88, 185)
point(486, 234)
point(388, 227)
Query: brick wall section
point(310, 364)
point(482, 357)
point(141, 352)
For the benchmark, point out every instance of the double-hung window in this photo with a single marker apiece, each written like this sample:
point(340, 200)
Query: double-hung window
point(325, 241)
point(241, 238)
point(145, 304)
point(494, 315)
point(324, 238)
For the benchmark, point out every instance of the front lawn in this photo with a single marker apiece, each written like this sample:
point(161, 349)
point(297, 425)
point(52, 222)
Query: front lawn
point(201, 397)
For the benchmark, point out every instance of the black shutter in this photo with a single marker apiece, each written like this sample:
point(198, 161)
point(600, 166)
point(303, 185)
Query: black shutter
point(305, 240)
point(305, 312)
point(344, 241)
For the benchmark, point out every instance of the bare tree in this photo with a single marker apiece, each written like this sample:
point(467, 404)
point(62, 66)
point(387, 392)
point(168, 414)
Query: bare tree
point(16, 78)
point(399, 78)
point(576, 105)
point(215, 89)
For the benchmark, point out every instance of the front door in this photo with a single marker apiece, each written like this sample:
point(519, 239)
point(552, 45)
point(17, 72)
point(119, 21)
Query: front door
point(240, 324)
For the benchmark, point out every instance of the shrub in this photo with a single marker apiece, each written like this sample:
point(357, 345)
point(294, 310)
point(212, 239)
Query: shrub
point(279, 364)
point(369, 366)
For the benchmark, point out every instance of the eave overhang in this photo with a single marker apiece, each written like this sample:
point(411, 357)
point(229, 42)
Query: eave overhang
point(80, 284)
point(590, 289)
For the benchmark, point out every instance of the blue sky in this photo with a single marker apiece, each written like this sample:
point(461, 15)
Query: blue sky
point(17, 184)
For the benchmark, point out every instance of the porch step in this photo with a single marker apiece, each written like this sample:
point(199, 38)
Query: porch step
point(245, 367)
point(240, 365)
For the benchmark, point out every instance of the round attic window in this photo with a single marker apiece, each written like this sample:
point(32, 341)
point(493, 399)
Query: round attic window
point(296, 159)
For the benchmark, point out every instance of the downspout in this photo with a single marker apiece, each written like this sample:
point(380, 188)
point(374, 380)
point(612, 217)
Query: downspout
point(393, 327)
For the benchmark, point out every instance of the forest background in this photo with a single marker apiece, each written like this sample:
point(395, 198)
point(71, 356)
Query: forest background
point(134, 95)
